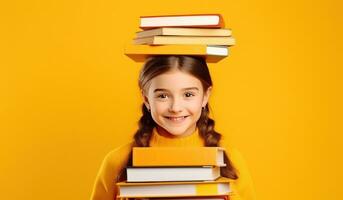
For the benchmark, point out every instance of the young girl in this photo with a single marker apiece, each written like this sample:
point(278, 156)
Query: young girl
point(176, 90)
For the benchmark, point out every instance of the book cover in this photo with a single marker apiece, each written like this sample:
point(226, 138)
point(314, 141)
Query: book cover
point(178, 156)
point(189, 20)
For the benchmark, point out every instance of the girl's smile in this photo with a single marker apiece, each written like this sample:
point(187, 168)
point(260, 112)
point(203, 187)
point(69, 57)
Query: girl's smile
point(177, 120)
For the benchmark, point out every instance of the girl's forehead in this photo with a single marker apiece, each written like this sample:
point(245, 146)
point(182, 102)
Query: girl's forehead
point(175, 79)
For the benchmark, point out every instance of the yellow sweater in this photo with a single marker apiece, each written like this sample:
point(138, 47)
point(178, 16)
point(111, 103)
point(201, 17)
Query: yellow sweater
point(105, 183)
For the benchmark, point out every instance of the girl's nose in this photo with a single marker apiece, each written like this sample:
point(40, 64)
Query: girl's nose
point(175, 106)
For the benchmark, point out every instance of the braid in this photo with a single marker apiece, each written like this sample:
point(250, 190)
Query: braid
point(206, 129)
point(212, 138)
point(145, 127)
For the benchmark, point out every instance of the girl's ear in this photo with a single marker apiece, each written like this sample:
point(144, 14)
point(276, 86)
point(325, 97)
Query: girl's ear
point(207, 95)
point(145, 100)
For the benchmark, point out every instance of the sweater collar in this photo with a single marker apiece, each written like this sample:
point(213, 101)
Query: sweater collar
point(193, 139)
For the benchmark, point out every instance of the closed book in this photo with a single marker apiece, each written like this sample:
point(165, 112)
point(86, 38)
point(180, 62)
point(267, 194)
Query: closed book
point(178, 156)
point(219, 187)
point(224, 197)
point(157, 174)
point(164, 40)
point(184, 32)
point(139, 53)
point(191, 20)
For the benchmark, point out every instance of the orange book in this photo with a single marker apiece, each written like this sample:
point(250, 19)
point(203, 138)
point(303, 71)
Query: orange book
point(178, 156)
point(212, 54)
point(190, 20)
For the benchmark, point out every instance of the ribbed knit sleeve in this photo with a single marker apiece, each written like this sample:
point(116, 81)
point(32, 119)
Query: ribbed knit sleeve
point(105, 183)
point(243, 187)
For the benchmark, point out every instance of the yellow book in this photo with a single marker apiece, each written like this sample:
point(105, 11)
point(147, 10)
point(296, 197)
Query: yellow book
point(139, 53)
point(164, 40)
point(178, 156)
point(219, 187)
point(184, 32)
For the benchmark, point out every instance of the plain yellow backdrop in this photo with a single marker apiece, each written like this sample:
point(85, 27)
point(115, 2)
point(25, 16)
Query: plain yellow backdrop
point(68, 95)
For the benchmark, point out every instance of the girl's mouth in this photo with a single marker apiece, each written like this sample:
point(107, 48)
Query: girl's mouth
point(177, 119)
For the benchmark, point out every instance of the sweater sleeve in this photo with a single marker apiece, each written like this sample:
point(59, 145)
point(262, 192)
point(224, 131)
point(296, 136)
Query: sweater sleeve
point(105, 183)
point(243, 186)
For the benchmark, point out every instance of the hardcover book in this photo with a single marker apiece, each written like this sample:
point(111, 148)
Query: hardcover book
point(212, 54)
point(158, 174)
point(218, 187)
point(192, 20)
point(184, 32)
point(167, 40)
point(178, 156)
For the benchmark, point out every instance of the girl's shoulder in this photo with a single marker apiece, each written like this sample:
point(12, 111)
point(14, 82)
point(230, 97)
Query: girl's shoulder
point(111, 167)
point(230, 149)
point(234, 154)
point(244, 184)
point(119, 155)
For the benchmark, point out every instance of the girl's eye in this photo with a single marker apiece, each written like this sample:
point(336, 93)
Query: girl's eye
point(162, 96)
point(188, 94)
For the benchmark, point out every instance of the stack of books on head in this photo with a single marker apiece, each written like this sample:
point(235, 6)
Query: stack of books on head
point(176, 173)
point(197, 35)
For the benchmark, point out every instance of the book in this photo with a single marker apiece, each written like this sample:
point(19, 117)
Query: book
point(191, 20)
point(218, 187)
point(224, 197)
point(184, 32)
point(178, 156)
point(158, 174)
point(139, 53)
point(164, 40)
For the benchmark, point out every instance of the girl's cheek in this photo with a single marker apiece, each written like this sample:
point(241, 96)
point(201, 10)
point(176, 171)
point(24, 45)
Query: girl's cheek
point(194, 105)
point(161, 106)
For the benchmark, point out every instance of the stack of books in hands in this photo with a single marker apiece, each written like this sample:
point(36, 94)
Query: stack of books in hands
point(176, 173)
point(197, 35)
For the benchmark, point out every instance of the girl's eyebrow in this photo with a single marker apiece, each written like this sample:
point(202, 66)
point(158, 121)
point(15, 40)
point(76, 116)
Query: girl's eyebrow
point(190, 88)
point(162, 89)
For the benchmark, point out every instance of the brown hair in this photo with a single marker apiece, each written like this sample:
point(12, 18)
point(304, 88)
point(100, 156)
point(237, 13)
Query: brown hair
point(197, 67)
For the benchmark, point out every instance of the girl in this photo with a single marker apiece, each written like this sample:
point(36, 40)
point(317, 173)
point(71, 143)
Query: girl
point(176, 90)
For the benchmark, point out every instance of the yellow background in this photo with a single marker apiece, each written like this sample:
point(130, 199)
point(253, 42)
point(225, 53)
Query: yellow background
point(69, 95)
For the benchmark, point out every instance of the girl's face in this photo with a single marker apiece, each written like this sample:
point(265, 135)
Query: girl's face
point(176, 99)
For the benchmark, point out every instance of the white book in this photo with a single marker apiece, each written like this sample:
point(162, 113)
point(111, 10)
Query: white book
point(221, 186)
point(202, 20)
point(155, 174)
point(223, 197)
